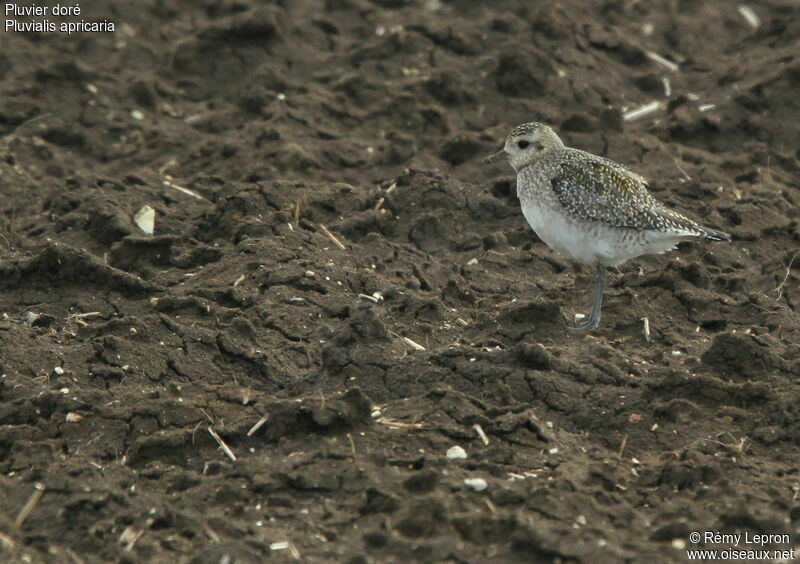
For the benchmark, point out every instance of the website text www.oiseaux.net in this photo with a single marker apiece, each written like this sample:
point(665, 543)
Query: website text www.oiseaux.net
point(741, 546)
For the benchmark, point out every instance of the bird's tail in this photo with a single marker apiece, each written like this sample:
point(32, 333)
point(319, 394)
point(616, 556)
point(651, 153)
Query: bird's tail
point(713, 234)
point(693, 228)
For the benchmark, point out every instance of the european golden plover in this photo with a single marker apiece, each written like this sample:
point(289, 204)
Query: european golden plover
point(589, 208)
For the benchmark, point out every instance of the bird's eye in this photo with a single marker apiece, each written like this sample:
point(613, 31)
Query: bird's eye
point(522, 144)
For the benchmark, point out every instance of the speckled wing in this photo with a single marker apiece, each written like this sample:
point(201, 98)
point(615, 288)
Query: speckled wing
point(593, 188)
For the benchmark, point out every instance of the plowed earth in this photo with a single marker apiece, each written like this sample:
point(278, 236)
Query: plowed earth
point(120, 350)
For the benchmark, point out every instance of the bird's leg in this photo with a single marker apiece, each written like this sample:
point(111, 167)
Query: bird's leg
point(600, 284)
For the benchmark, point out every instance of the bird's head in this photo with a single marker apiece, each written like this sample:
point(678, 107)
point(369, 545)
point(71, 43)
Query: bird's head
point(526, 144)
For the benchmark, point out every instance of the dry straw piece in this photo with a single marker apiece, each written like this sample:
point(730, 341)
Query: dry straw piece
point(225, 448)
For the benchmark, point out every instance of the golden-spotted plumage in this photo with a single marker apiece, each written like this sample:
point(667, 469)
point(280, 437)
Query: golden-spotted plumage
point(595, 189)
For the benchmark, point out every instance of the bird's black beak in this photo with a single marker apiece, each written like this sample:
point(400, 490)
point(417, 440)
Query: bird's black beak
point(501, 154)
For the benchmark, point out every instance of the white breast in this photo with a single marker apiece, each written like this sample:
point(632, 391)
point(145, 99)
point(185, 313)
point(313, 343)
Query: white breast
point(561, 234)
point(590, 242)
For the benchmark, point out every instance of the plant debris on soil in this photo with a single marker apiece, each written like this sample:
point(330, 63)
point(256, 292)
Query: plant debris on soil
point(338, 291)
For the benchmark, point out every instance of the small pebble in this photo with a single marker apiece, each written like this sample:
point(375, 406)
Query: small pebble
point(456, 453)
point(58, 370)
point(145, 218)
point(477, 484)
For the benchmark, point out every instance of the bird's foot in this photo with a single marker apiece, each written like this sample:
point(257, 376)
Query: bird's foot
point(590, 323)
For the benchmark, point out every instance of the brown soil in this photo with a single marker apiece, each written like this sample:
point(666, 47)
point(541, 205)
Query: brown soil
point(120, 350)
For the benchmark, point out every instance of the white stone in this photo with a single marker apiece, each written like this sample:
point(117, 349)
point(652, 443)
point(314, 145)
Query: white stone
point(145, 218)
point(456, 453)
point(477, 484)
